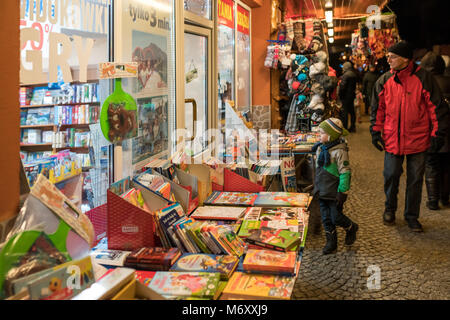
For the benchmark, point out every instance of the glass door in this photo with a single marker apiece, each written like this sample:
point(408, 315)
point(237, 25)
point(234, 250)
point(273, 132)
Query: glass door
point(197, 72)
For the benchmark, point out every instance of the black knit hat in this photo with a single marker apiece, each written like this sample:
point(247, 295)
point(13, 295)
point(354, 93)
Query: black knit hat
point(403, 49)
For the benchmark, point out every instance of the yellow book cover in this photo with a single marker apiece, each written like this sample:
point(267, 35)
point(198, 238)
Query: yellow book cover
point(258, 287)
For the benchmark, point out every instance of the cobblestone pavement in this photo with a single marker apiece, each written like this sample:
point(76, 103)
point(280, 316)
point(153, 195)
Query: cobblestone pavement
point(411, 265)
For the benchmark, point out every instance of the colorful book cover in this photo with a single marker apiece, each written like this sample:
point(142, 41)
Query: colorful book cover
point(110, 257)
point(258, 287)
point(218, 213)
point(282, 199)
point(231, 199)
point(248, 227)
point(276, 239)
point(64, 282)
point(270, 260)
point(145, 277)
point(202, 262)
point(186, 284)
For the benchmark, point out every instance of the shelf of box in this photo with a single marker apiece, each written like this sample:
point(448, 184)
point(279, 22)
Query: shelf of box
point(53, 105)
point(37, 126)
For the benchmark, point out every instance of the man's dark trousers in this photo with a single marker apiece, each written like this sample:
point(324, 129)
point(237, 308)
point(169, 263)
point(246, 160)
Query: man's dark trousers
point(415, 168)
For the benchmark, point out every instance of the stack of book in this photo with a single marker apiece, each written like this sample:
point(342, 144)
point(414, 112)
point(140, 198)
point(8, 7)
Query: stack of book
point(163, 167)
point(220, 198)
point(156, 184)
point(152, 259)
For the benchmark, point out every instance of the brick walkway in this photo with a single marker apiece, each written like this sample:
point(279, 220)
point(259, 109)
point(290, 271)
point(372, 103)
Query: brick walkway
point(412, 265)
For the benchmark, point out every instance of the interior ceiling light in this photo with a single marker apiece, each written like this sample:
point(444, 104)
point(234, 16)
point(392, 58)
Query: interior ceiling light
point(330, 25)
point(331, 40)
point(328, 4)
point(331, 32)
point(329, 16)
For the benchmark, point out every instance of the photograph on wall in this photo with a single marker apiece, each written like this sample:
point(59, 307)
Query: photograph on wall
point(152, 128)
point(150, 52)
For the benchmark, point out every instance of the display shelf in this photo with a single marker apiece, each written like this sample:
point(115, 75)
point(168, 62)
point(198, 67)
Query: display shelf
point(31, 126)
point(53, 105)
point(75, 149)
point(36, 144)
point(75, 125)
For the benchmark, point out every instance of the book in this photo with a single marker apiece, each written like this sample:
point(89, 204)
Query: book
point(218, 213)
point(63, 282)
point(231, 198)
point(247, 227)
point(275, 239)
point(282, 199)
point(110, 257)
point(186, 284)
point(144, 277)
point(258, 287)
point(152, 259)
point(270, 260)
point(202, 262)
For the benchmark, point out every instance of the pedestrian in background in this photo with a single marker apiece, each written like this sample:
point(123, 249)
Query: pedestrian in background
point(369, 79)
point(437, 165)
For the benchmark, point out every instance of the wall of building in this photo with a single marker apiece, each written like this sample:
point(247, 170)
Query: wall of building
point(260, 74)
point(9, 109)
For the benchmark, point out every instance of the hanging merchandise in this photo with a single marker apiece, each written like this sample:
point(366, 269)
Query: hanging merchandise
point(118, 116)
point(192, 73)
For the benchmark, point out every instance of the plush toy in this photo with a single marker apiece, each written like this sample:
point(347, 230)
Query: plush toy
point(121, 122)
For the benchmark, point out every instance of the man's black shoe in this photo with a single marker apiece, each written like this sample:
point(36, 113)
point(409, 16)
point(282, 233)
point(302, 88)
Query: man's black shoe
point(433, 205)
point(389, 218)
point(415, 225)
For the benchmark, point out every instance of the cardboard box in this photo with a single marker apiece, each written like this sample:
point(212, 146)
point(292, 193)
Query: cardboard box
point(121, 284)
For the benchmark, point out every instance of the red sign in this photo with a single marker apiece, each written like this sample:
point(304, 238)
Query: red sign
point(225, 13)
point(243, 20)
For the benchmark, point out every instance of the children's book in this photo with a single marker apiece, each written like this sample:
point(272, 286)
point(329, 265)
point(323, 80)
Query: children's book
point(248, 227)
point(218, 213)
point(110, 257)
point(145, 277)
point(152, 259)
point(202, 262)
point(270, 260)
point(274, 239)
point(220, 198)
point(258, 287)
point(282, 199)
point(63, 282)
point(186, 284)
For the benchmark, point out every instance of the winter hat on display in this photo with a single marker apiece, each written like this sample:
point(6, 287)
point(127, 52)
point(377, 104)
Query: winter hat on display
point(321, 56)
point(317, 68)
point(402, 49)
point(334, 128)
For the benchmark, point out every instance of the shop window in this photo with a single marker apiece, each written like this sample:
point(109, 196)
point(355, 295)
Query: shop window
point(201, 8)
point(60, 96)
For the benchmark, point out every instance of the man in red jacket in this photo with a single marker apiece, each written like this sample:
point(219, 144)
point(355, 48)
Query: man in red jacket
point(408, 117)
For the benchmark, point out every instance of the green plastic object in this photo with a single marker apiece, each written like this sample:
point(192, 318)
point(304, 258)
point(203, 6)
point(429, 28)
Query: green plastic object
point(118, 117)
point(20, 244)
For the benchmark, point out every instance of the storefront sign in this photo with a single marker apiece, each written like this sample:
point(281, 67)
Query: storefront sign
point(243, 20)
point(49, 38)
point(225, 13)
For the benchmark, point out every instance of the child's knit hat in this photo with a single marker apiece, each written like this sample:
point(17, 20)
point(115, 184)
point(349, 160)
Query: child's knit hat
point(334, 128)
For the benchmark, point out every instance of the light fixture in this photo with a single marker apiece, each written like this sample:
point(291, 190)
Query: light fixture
point(331, 40)
point(330, 25)
point(328, 4)
point(330, 32)
point(329, 16)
